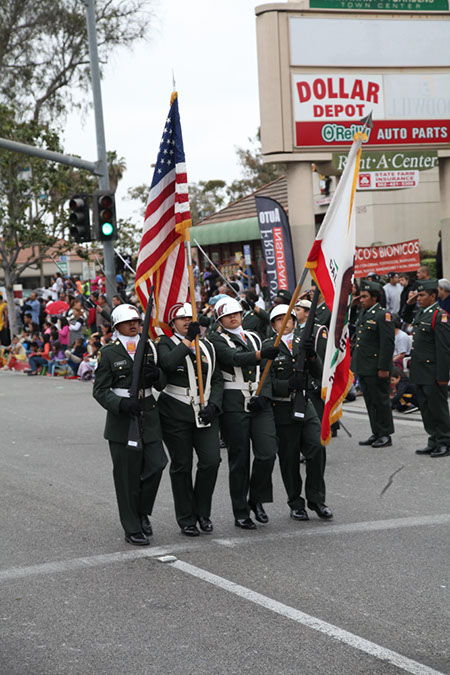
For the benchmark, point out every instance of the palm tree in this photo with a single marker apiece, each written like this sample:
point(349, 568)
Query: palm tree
point(116, 168)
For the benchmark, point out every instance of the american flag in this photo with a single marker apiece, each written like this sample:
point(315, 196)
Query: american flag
point(161, 260)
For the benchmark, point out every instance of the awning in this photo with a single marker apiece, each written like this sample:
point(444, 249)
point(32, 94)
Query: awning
point(243, 230)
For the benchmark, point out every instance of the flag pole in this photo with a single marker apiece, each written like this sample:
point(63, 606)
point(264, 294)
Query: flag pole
point(295, 295)
point(187, 240)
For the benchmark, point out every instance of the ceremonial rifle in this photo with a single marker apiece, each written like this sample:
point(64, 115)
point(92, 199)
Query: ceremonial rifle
point(135, 428)
point(299, 408)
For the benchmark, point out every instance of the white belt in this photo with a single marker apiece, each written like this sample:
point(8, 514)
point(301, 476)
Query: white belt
point(245, 387)
point(181, 394)
point(125, 393)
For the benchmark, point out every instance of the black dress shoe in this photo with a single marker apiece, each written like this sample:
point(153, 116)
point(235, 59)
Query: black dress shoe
point(322, 510)
point(245, 523)
point(369, 441)
point(299, 514)
point(205, 524)
point(260, 515)
point(382, 442)
point(190, 531)
point(425, 451)
point(137, 539)
point(441, 451)
point(146, 525)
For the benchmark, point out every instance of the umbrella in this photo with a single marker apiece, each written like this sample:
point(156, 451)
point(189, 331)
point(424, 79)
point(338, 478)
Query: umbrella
point(58, 307)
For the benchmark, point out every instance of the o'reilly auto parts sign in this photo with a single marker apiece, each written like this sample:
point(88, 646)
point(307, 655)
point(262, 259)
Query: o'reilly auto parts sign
point(407, 109)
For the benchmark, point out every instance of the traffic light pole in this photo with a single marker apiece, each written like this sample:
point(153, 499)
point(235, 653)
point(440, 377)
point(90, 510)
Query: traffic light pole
point(103, 179)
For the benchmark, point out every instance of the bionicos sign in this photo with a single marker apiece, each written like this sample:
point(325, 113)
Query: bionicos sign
point(401, 257)
point(328, 108)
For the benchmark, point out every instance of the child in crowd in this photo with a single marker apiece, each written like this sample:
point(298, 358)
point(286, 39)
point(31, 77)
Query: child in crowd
point(75, 355)
point(89, 362)
point(59, 358)
point(403, 392)
point(64, 333)
point(16, 353)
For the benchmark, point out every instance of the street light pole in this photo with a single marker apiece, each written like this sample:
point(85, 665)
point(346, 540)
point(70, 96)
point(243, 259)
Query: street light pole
point(103, 179)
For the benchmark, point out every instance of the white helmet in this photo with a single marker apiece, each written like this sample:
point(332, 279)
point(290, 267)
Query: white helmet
point(180, 311)
point(304, 304)
point(281, 310)
point(124, 313)
point(226, 306)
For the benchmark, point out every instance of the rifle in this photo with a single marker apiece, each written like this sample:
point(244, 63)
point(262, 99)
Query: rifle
point(135, 429)
point(299, 409)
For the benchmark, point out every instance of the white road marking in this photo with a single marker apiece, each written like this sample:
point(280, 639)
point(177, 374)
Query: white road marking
point(314, 530)
point(355, 641)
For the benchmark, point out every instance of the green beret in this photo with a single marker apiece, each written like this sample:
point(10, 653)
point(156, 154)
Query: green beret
point(370, 286)
point(284, 295)
point(427, 285)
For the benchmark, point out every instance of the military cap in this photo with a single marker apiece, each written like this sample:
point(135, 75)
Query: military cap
point(427, 285)
point(373, 276)
point(284, 295)
point(370, 286)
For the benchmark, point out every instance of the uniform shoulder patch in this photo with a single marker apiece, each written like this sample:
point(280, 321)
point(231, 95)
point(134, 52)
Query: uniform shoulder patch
point(444, 318)
point(157, 340)
point(387, 316)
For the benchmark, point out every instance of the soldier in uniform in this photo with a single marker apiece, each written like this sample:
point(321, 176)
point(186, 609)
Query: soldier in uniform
point(430, 364)
point(185, 426)
point(254, 318)
point(137, 473)
point(297, 436)
point(372, 362)
point(245, 417)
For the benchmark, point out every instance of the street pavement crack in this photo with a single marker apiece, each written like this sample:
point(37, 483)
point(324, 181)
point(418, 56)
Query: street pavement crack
point(391, 480)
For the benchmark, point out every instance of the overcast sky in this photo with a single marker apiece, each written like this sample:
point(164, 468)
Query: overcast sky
point(212, 49)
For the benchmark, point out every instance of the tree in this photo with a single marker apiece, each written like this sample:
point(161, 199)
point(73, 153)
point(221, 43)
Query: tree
point(44, 53)
point(33, 194)
point(256, 172)
point(207, 197)
point(116, 168)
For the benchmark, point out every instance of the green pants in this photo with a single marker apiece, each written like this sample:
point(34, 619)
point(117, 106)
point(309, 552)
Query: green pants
point(376, 397)
point(433, 406)
point(293, 439)
point(238, 429)
point(182, 437)
point(137, 475)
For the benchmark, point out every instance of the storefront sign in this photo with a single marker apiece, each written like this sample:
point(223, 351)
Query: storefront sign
point(387, 180)
point(391, 161)
point(276, 244)
point(402, 257)
point(386, 5)
point(407, 109)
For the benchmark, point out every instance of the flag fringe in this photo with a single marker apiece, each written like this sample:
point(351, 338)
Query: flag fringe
point(173, 96)
point(335, 414)
point(181, 227)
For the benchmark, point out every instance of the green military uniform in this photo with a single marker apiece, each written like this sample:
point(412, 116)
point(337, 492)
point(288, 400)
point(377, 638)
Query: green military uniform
point(257, 322)
point(430, 363)
point(180, 432)
point(323, 315)
point(294, 436)
point(137, 473)
point(375, 336)
point(239, 368)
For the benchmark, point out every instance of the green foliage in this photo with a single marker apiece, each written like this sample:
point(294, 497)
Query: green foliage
point(44, 54)
point(431, 264)
point(33, 193)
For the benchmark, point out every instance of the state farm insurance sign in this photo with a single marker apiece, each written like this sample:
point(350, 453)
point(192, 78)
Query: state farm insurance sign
point(407, 110)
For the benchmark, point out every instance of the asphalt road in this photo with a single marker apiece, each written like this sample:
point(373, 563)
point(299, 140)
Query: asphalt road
point(364, 594)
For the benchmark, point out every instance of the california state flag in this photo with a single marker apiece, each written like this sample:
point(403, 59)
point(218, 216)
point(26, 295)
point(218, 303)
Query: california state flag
point(331, 262)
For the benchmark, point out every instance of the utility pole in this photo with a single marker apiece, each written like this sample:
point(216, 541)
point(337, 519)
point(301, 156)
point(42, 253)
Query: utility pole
point(103, 176)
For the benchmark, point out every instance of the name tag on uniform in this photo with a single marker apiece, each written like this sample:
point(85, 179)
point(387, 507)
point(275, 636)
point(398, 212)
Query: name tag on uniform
point(120, 363)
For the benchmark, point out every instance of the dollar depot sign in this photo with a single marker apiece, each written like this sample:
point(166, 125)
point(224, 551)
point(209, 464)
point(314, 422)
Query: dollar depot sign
point(407, 109)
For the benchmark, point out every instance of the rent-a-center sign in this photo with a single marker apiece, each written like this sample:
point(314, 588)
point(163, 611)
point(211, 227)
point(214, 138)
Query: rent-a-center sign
point(407, 110)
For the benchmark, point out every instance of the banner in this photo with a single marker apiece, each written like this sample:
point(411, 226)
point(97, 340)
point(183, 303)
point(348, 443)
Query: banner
point(276, 244)
point(401, 257)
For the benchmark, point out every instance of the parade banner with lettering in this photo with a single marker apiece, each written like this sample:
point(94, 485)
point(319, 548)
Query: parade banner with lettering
point(276, 244)
point(401, 257)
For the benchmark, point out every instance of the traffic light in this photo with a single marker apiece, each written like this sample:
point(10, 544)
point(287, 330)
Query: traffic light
point(79, 218)
point(105, 216)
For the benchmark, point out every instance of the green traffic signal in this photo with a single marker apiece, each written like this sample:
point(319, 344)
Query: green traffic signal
point(104, 216)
